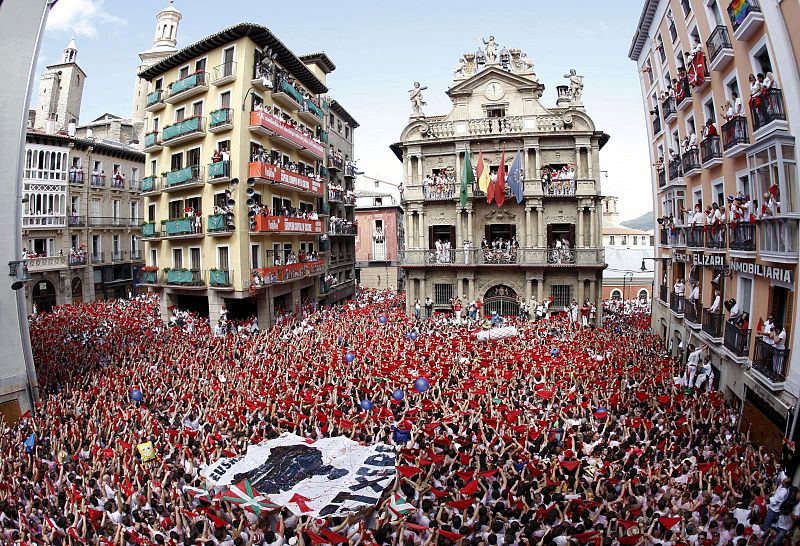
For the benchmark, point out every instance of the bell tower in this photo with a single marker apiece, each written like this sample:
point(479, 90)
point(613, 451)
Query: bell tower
point(60, 93)
point(165, 42)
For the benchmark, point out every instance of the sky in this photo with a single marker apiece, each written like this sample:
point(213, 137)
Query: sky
point(380, 49)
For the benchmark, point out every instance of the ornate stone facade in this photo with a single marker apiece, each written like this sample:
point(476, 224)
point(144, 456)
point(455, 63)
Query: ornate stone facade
point(551, 231)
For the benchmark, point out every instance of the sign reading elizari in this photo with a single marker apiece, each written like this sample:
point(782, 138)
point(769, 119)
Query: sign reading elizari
point(334, 476)
point(772, 273)
point(707, 260)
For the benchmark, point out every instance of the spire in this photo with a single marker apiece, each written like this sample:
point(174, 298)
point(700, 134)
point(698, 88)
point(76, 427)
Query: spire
point(166, 37)
point(71, 51)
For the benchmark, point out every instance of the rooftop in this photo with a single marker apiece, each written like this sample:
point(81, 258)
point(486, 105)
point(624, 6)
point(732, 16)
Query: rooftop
point(259, 34)
point(622, 261)
point(101, 146)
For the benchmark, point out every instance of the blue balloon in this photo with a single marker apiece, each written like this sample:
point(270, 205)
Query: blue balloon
point(349, 357)
point(382, 319)
point(413, 336)
point(366, 405)
point(398, 394)
point(422, 384)
point(136, 395)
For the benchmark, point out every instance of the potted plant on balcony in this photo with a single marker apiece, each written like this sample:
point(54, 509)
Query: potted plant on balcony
point(149, 274)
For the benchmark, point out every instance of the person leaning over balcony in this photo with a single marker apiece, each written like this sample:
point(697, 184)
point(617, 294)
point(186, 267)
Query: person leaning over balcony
point(717, 302)
point(709, 129)
point(679, 288)
point(659, 164)
point(694, 296)
point(769, 207)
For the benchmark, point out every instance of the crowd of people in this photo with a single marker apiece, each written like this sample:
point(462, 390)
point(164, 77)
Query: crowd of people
point(440, 184)
point(559, 181)
point(560, 435)
point(338, 225)
point(276, 158)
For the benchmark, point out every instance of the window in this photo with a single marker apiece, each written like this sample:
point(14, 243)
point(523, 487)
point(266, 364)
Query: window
point(624, 240)
point(222, 258)
point(194, 204)
point(744, 293)
point(153, 257)
point(635, 240)
point(134, 210)
point(151, 212)
point(715, 16)
point(743, 184)
point(650, 70)
point(176, 163)
point(719, 194)
point(153, 167)
point(561, 295)
point(96, 245)
point(377, 201)
point(115, 209)
point(347, 132)
point(775, 166)
point(496, 112)
point(183, 72)
point(611, 240)
point(660, 47)
point(180, 114)
point(194, 258)
point(762, 63)
point(200, 65)
point(652, 240)
point(643, 294)
point(75, 207)
point(175, 209)
point(159, 83)
point(115, 246)
point(156, 125)
point(225, 100)
point(193, 157)
point(177, 258)
point(616, 295)
point(708, 109)
point(690, 126)
point(94, 211)
point(134, 246)
point(75, 242)
point(197, 108)
point(442, 293)
point(255, 256)
point(134, 173)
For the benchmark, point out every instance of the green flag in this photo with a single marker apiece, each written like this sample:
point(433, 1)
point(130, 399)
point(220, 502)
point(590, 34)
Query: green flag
point(467, 179)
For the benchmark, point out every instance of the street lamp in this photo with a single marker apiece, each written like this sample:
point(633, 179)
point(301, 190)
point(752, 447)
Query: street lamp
point(625, 278)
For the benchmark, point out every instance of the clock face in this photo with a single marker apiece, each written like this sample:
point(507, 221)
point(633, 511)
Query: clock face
point(494, 91)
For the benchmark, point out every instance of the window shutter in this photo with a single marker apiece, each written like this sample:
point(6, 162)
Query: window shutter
point(488, 233)
point(452, 236)
point(550, 242)
point(431, 240)
point(571, 237)
point(513, 230)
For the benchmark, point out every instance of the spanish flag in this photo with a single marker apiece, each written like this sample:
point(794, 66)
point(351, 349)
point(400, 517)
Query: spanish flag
point(482, 173)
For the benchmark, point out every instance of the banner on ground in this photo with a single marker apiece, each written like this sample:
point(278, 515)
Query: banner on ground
point(327, 477)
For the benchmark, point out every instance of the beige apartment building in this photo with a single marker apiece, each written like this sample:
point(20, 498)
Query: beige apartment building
point(544, 241)
point(720, 140)
point(236, 208)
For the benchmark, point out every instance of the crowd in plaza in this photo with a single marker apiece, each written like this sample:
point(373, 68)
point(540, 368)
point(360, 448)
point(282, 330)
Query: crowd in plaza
point(564, 434)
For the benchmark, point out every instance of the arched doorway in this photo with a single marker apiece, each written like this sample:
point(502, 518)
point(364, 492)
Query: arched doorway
point(44, 295)
point(643, 295)
point(502, 299)
point(77, 290)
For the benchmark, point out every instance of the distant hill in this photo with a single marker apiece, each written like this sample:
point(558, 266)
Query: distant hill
point(644, 222)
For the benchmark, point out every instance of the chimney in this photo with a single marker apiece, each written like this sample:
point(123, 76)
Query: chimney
point(50, 128)
point(71, 128)
point(89, 132)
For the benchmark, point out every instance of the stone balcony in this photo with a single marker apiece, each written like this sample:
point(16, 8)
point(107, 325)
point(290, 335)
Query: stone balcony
point(533, 257)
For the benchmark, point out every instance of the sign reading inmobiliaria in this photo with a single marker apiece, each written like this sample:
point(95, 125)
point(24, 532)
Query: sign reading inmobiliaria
point(270, 122)
point(282, 176)
point(327, 477)
point(284, 223)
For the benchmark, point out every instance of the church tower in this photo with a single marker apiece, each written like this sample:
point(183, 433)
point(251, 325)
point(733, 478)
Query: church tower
point(60, 93)
point(164, 45)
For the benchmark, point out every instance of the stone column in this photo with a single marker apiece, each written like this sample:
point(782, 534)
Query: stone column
point(470, 290)
point(540, 227)
point(591, 153)
point(459, 230)
point(528, 289)
point(579, 228)
point(409, 237)
point(581, 289)
point(539, 289)
point(421, 229)
point(577, 161)
point(537, 163)
point(422, 292)
point(528, 227)
point(470, 234)
point(592, 227)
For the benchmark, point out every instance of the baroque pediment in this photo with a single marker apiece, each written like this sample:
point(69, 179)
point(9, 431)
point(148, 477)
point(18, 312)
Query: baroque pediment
point(494, 73)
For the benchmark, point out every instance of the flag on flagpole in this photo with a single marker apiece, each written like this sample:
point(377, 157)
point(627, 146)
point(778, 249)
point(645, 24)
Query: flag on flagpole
point(490, 192)
point(482, 173)
point(500, 186)
point(467, 179)
point(515, 177)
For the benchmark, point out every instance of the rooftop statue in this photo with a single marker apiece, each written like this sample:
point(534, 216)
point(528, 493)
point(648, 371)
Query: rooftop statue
point(417, 101)
point(575, 86)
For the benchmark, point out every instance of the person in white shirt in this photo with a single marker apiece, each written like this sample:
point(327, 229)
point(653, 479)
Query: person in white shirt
point(692, 363)
point(694, 296)
point(775, 501)
point(717, 301)
point(738, 107)
point(778, 340)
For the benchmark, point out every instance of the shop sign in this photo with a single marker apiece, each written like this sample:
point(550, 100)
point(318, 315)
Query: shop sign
point(768, 272)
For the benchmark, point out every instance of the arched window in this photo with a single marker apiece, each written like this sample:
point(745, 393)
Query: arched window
point(643, 295)
point(616, 295)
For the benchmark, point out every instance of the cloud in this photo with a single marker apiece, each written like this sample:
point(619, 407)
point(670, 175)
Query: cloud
point(83, 17)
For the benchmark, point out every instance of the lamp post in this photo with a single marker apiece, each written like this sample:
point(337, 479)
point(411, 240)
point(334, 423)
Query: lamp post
point(625, 278)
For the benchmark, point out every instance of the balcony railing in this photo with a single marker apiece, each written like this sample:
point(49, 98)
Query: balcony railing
point(695, 236)
point(184, 277)
point(743, 236)
point(712, 323)
point(149, 230)
point(46, 263)
point(686, 92)
point(710, 149)
point(188, 175)
point(662, 293)
point(44, 221)
point(777, 238)
point(76, 220)
point(151, 140)
point(188, 126)
point(690, 160)
point(717, 43)
point(716, 236)
point(76, 177)
point(266, 276)
point(117, 182)
point(439, 192)
point(740, 10)
point(219, 170)
point(662, 178)
point(283, 86)
point(734, 132)
point(555, 188)
point(155, 97)
point(114, 221)
point(677, 236)
point(664, 237)
point(335, 196)
point(198, 79)
point(98, 180)
point(265, 122)
point(310, 107)
point(135, 185)
point(339, 229)
point(736, 340)
point(501, 257)
point(149, 183)
point(766, 108)
point(223, 73)
point(669, 108)
point(148, 277)
point(335, 163)
point(220, 118)
point(218, 223)
point(677, 303)
point(98, 257)
point(692, 312)
point(220, 278)
point(284, 177)
point(770, 362)
point(180, 226)
point(675, 171)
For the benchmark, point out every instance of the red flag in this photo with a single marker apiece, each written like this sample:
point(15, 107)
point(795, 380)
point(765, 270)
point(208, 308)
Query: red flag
point(461, 504)
point(217, 521)
point(490, 192)
point(27, 414)
point(500, 190)
point(333, 538)
point(470, 488)
point(315, 538)
point(760, 325)
point(669, 523)
point(126, 487)
point(586, 537)
point(409, 471)
point(630, 540)
point(450, 534)
point(570, 465)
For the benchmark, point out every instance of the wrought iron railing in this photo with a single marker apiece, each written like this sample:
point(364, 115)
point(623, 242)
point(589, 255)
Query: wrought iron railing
point(766, 108)
point(736, 340)
point(770, 362)
point(718, 41)
point(710, 148)
point(734, 132)
point(712, 323)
